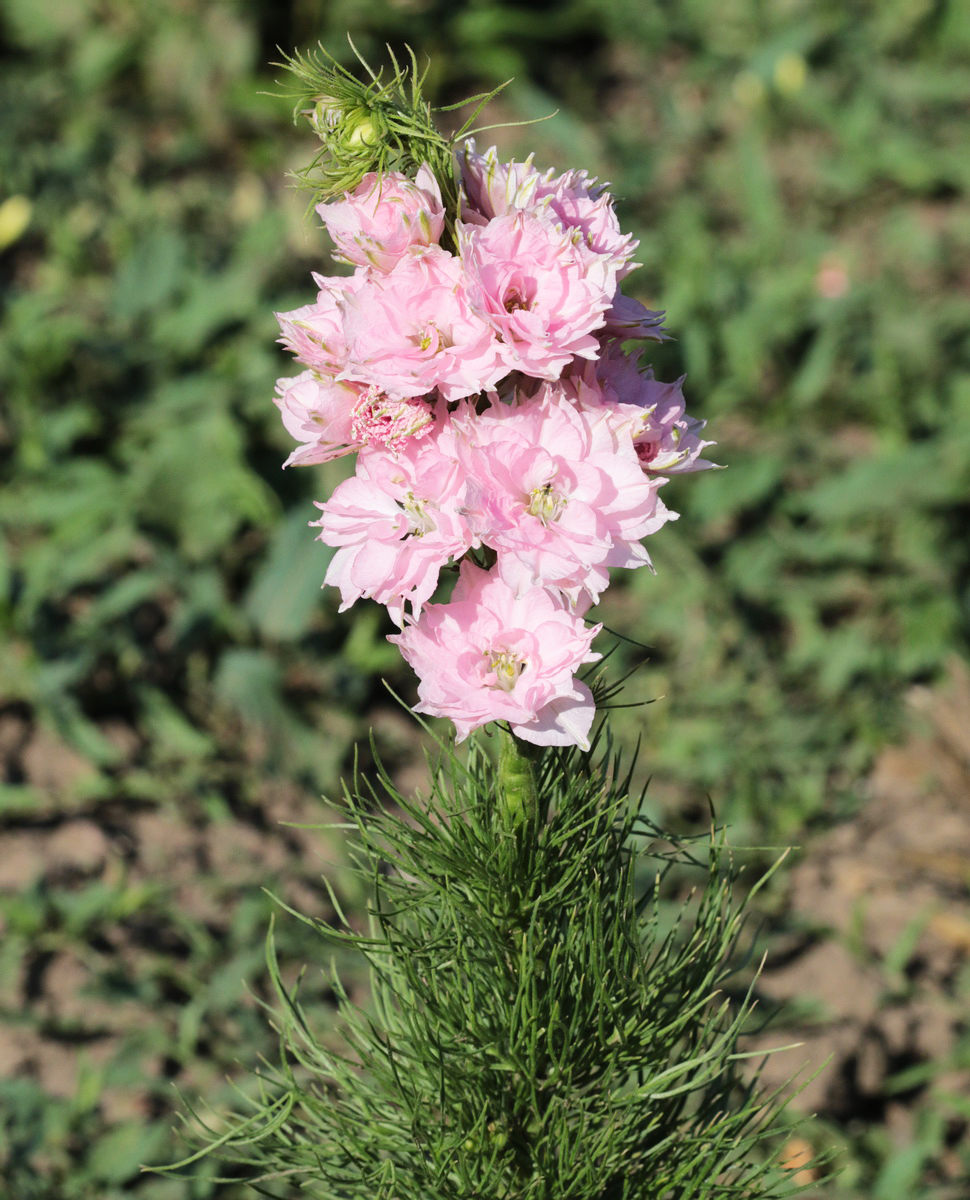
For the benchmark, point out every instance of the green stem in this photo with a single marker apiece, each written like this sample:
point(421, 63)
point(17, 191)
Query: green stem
point(518, 797)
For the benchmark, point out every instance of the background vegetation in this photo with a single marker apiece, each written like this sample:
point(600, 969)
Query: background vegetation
point(172, 681)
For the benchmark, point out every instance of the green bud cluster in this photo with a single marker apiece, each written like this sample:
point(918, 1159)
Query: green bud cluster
point(372, 125)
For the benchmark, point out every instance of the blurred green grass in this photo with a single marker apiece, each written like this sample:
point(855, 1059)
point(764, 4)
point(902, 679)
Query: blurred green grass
point(797, 174)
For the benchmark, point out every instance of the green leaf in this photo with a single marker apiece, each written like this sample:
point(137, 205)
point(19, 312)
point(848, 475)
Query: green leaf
point(285, 591)
point(118, 1155)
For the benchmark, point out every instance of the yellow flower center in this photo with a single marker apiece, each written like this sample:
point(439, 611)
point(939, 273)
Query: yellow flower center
point(515, 301)
point(430, 339)
point(546, 504)
point(507, 667)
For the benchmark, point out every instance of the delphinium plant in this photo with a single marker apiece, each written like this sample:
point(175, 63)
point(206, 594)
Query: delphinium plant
point(539, 1025)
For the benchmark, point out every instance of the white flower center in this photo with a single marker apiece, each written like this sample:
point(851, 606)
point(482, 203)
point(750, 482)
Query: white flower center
point(546, 503)
point(506, 666)
point(420, 521)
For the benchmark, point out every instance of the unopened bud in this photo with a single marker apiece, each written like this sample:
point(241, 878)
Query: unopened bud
point(362, 131)
point(323, 117)
point(497, 1135)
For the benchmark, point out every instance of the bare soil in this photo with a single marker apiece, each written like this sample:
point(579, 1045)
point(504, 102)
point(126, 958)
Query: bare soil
point(876, 983)
point(165, 878)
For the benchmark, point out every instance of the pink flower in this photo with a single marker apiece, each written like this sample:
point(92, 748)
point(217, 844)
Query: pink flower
point(331, 418)
point(384, 217)
point(397, 523)
point(583, 207)
point(314, 332)
point(490, 655)
point(412, 331)
point(553, 458)
point(492, 188)
point(669, 444)
point(319, 414)
point(378, 418)
point(664, 436)
point(557, 493)
point(542, 291)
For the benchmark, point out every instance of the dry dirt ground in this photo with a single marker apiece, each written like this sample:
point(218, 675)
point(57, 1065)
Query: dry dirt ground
point(873, 980)
point(132, 901)
point(876, 986)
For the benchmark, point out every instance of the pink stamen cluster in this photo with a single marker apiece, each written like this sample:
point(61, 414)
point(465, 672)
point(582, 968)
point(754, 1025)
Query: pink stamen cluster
point(499, 425)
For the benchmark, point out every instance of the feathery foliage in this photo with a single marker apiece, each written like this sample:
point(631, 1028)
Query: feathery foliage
point(538, 1027)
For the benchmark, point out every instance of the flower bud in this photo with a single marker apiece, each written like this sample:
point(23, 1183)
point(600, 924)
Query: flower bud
point(350, 129)
point(377, 224)
point(361, 129)
point(322, 117)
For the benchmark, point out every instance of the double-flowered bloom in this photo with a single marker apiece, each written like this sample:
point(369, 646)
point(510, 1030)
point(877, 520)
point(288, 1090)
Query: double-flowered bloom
point(500, 427)
point(557, 493)
point(494, 654)
point(397, 522)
